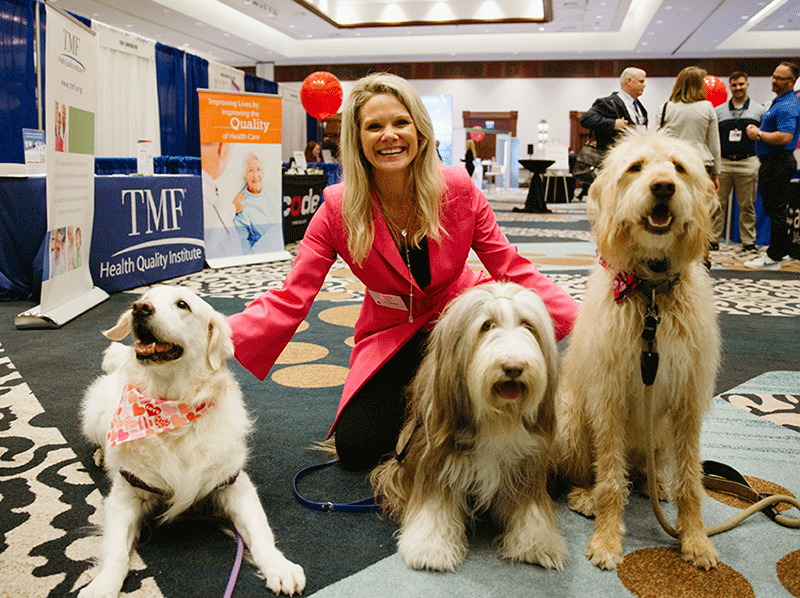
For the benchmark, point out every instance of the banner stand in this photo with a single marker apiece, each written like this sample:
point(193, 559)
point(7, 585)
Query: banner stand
point(246, 260)
point(61, 314)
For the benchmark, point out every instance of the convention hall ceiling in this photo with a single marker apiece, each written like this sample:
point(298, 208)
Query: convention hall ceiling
point(287, 32)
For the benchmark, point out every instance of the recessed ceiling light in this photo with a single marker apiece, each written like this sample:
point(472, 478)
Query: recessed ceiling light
point(659, 22)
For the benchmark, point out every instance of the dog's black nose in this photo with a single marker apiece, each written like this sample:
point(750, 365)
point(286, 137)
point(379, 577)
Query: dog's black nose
point(513, 370)
point(663, 188)
point(142, 309)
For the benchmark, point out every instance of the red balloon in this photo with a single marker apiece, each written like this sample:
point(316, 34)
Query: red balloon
point(476, 137)
point(321, 95)
point(716, 92)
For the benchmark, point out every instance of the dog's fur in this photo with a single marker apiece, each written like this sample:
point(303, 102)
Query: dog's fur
point(478, 433)
point(191, 462)
point(651, 209)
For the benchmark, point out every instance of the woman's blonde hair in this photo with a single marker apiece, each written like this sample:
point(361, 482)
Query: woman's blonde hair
point(357, 172)
point(688, 86)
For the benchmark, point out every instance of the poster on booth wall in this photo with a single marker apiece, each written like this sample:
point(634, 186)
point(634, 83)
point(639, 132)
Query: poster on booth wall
point(240, 157)
point(71, 96)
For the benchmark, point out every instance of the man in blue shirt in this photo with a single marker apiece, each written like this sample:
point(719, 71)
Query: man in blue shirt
point(775, 141)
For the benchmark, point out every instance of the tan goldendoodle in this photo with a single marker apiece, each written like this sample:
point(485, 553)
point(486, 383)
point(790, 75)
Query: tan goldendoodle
point(648, 300)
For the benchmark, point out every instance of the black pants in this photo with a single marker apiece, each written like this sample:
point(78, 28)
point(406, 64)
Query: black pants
point(774, 176)
point(371, 422)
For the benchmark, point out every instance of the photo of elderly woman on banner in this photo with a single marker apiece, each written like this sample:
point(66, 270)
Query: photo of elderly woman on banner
point(240, 155)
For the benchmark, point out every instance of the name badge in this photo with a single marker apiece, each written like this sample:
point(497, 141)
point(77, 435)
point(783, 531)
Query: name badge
point(735, 135)
point(390, 301)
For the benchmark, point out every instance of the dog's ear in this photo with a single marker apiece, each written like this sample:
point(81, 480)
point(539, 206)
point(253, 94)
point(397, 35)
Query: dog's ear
point(121, 329)
point(220, 342)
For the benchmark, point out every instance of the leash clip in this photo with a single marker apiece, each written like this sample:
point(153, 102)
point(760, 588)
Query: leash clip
point(649, 360)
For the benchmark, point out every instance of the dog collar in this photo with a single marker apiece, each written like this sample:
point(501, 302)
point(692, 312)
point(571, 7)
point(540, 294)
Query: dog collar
point(625, 283)
point(139, 416)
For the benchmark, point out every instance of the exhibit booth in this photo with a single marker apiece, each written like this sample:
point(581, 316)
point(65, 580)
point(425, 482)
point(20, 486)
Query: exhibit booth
point(133, 212)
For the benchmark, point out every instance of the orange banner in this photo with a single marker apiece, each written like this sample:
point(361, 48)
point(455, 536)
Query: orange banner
point(239, 118)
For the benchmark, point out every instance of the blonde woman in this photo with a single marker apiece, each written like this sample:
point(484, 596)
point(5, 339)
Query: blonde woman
point(405, 225)
point(690, 116)
point(469, 157)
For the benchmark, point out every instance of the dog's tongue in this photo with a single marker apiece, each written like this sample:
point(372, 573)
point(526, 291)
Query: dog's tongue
point(509, 390)
point(660, 220)
point(152, 348)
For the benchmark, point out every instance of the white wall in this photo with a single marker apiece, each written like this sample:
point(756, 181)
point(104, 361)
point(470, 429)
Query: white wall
point(549, 99)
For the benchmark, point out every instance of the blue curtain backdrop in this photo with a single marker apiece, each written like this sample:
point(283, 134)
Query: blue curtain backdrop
point(17, 76)
point(259, 85)
point(196, 77)
point(171, 82)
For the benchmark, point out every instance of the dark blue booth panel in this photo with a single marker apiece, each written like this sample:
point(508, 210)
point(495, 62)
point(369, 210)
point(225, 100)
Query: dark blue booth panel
point(23, 223)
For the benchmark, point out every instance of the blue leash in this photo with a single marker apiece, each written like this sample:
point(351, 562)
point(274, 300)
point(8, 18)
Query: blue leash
point(367, 505)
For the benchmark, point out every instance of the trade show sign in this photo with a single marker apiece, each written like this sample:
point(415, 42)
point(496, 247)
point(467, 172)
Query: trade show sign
point(240, 156)
point(150, 229)
point(71, 98)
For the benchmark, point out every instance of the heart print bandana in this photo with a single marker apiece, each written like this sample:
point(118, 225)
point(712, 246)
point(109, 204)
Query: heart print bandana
point(139, 416)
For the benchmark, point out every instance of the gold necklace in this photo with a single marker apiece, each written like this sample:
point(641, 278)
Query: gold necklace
point(404, 234)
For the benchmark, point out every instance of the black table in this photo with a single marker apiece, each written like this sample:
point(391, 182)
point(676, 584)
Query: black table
point(535, 201)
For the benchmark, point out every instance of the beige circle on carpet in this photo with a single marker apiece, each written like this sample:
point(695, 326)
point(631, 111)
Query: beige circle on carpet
point(356, 286)
point(350, 341)
point(303, 326)
point(341, 273)
point(662, 573)
point(760, 486)
point(301, 353)
point(318, 375)
point(345, 315)
point(787, 569)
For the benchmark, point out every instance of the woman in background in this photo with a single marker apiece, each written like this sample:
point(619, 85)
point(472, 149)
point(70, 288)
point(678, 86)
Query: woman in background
point(469, 157)
point(690, 116)
point(313, 152)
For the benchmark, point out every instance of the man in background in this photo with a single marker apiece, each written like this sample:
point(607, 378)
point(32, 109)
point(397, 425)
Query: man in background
point(611, 115)
point(775, 141)
point(739, 166)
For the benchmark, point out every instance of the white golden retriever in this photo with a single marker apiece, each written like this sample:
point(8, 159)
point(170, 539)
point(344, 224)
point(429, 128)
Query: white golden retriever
point(185, 443)
point(478, 433)
point(651, 208)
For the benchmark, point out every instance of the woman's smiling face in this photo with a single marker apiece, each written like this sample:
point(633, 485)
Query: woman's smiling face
point(389, 138)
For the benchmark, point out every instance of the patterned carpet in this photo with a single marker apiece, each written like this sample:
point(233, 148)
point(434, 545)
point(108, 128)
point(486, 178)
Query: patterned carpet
point(51, 495)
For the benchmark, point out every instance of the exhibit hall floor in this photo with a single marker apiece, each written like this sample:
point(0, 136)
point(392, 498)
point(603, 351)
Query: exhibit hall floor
point(51, 491)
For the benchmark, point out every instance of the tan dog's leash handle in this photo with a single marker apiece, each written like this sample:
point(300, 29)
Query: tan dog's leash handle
point(717, 476)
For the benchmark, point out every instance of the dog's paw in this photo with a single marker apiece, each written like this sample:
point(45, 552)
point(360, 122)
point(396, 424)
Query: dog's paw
point(432, 557)
point(99, 457)
point(547, 549)
point(604, 552)
point(433, 553)
point(581, 500)
point(283, 576)
point(699, 551)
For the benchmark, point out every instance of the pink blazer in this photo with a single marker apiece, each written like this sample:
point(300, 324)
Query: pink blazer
point(265, 327)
